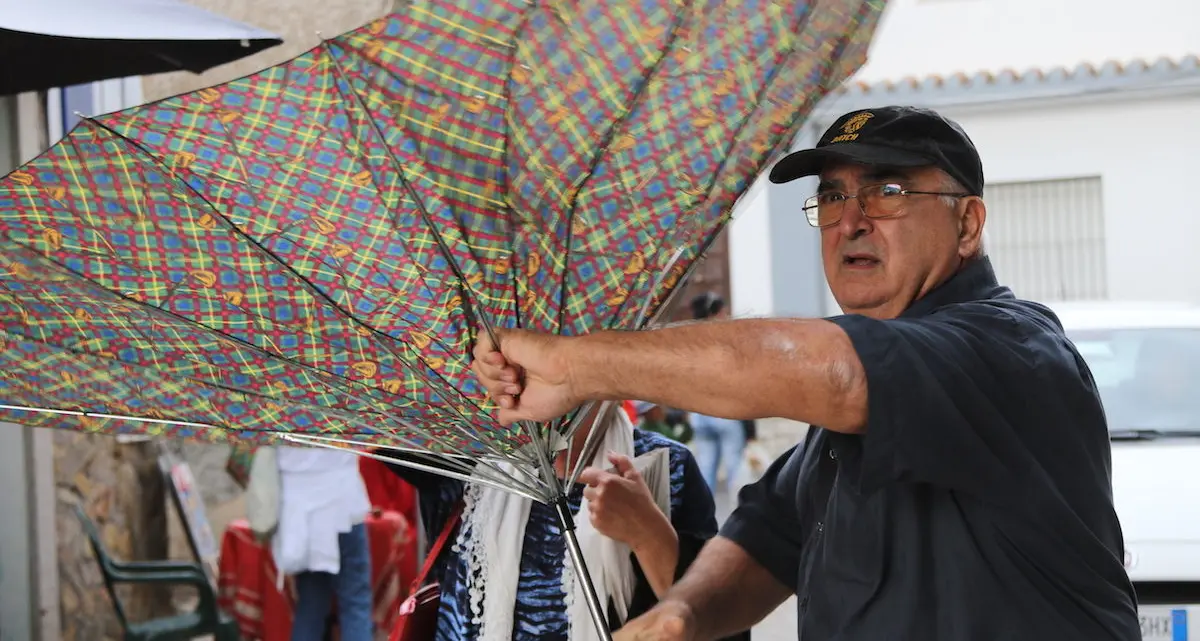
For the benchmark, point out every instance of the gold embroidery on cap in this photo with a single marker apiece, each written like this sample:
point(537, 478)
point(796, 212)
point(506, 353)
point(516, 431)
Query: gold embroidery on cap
point(852, 125)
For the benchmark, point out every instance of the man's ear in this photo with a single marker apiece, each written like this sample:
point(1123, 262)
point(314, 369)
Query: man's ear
point(970, 226)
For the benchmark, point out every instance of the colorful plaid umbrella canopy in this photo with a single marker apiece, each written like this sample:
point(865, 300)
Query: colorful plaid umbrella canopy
point(311, 249)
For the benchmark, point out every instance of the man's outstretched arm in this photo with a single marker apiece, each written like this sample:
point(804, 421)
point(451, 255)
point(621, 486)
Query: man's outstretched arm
point(724, 592)
point(806, 370)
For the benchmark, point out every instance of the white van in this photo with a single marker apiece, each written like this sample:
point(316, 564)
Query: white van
point(1146, 362)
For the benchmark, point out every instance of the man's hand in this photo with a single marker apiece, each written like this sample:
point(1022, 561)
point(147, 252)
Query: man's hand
point(667, 621)
point(528, 376)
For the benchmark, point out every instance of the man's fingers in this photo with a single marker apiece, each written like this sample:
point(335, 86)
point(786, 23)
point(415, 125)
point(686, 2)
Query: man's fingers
point(498, 390)
point(493, 365)
point(498, 377)
point(484, 346)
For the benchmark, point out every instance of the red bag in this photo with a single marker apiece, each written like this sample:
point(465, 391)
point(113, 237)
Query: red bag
point(418, 613)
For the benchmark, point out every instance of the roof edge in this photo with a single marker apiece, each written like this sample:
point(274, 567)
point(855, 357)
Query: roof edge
point(987, 87)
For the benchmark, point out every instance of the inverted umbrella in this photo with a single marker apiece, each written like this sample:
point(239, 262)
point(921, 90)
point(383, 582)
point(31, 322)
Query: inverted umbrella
point(310, 250)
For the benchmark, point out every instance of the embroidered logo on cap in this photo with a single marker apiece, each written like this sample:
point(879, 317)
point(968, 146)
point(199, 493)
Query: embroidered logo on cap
point(852, 125)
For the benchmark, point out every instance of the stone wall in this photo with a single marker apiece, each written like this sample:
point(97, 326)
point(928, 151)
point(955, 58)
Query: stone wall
point(121, 489)
point(116, 485)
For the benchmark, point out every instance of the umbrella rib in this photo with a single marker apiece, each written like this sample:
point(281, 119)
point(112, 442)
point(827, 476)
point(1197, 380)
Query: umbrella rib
point(772, 76)
point(121, 417)
point(283, 265)
point(470, 299)
point(312, 289)
point(141, 392)
point(236, 149)
point(342, 446)
point(152, 311)
point(157, 311)
point(603, 147)
point(513, 48)
point(356, 417)
point(465, 474)
point(719, 230)
point(468, 292)
point(479, 459)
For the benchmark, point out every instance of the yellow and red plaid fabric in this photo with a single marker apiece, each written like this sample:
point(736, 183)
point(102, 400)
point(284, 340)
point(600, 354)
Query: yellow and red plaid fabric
point(301, 250)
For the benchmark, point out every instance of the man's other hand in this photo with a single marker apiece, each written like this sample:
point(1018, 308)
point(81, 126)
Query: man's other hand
point(667, 621)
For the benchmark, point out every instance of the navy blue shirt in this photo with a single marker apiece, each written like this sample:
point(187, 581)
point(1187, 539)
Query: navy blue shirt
point(977, 504)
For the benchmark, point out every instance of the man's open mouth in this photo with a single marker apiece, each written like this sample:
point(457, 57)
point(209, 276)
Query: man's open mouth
point(860, 260)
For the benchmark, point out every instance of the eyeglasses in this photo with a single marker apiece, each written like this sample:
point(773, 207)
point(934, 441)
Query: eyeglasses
point(875, 201)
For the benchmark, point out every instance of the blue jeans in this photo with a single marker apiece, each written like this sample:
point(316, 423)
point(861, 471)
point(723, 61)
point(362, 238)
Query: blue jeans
point(352, 585)
point(717, 440)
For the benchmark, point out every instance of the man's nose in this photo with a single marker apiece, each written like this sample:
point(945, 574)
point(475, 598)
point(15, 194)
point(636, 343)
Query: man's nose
point(854, 222)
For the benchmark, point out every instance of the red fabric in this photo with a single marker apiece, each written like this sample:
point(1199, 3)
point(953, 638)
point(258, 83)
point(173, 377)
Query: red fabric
point(386, 490)
point(418, 613)
point(631, 410)
point(246, 582)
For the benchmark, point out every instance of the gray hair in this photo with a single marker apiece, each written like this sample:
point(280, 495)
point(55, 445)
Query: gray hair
point(951, 184)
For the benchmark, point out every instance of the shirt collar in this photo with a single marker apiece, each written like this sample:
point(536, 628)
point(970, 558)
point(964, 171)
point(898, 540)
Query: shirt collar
point(975, 281)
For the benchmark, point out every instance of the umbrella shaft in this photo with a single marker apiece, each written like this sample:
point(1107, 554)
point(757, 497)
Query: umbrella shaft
point(581, 571)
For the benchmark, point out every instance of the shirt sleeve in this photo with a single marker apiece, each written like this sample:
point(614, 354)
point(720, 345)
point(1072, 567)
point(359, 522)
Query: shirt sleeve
point(945, 395)
point(767, 523)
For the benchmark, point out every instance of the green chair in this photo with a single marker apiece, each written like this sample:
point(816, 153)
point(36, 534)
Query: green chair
point(206, 619)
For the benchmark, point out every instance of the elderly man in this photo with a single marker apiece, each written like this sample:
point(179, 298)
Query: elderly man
point(958, 487)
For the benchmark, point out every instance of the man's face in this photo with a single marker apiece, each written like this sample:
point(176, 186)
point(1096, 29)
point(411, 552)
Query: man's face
point(879, 266)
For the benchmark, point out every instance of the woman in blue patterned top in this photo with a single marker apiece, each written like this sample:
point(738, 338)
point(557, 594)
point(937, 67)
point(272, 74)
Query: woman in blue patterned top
point(507, 578)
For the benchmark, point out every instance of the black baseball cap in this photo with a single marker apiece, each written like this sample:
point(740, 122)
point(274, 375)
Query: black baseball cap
point(891, 137)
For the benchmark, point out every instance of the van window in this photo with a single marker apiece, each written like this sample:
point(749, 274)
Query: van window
point(1147, 378)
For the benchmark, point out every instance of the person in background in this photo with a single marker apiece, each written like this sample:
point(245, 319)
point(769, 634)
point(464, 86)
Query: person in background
point(654, 418)
point(321, 540)
point(504, 579)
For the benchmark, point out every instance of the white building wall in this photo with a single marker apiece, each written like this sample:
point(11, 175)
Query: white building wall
point(1145, 154)
point(750, 272)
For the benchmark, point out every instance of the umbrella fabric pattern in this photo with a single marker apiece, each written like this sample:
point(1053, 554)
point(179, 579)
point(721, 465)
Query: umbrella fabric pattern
point(308, 252)
point(310, 249)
